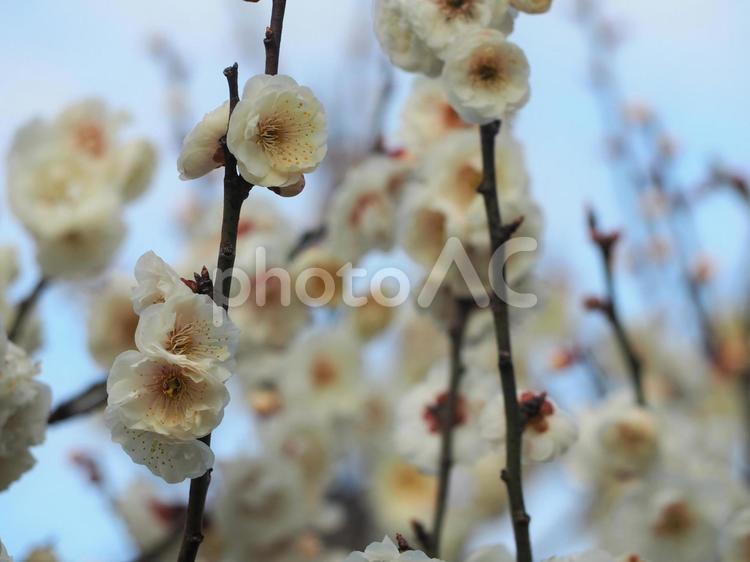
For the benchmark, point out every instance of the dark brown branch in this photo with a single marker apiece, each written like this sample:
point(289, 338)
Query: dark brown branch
point(236, 191)
point(24, 309)
point(512, 475)
point(447, 415)
point(610, 307)
point(272, 40)
point(91, 399)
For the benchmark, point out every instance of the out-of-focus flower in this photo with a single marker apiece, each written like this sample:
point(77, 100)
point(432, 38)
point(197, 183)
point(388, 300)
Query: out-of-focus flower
point(596, 556)
point(149, 520)
point(323, 373)
point(618, 440)
point(24, 407)
point(441, 22)
point(42, 554)
point(112, 322)
point(387, 551)
point(735, 539)
point(370, 319)
point(277, 132)
point(201, 150)
point(485, 76)
point(260, 506)
point(427, 116)
point(315, 271)
point(399, 41)
point(363, 211)
point(419, 413)
point(67, 182)
point(548, 432)
point(4, 556)
point(532, 6)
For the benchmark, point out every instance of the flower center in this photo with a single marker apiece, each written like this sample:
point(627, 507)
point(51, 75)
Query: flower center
point(535, 409)
point(270, 134)
point(436, 414)
point(180, 340)
point(324, 372)
point(457, 8)
point(485, 70)
point(674, 520)
point(89, 137)
point(172, 387)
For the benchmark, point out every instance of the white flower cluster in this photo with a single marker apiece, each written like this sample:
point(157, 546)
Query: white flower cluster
point(485, 76)
point(277, 133)
point(170, 392)
point(24, 408)
point(68, 180)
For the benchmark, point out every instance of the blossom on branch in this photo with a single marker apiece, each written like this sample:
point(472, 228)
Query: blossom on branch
point(201, 150)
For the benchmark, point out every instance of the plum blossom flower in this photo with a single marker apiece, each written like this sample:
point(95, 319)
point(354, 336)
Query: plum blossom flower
point(548, 432)
point(190, 331)
point(485, 76)
point(397, 38)
point(440, 22)
point(151, 394)
point(419, 416)
point(491, 553)
point(172, 459)
point(735, 540)
point(112, 322)
point(24, 407)
point(156, 281)
point(387, 551)
point(277, 132)
point(201, 150)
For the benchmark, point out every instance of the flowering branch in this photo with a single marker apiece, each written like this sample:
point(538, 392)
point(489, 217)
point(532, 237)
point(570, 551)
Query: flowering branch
point(606, 244)
point(25, 307)
point(236, 190)
point(499, 235)
point(461, 310)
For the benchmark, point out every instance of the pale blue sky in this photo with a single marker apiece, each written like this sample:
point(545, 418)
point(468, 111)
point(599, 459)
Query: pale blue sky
point(687, 58)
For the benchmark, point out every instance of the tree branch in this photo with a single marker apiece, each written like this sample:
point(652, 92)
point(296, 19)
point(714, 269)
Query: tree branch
point(236, 191)
point(512, 475)
point(610, 307)
point(25, 307)
point(93, 398)
point(461, 310)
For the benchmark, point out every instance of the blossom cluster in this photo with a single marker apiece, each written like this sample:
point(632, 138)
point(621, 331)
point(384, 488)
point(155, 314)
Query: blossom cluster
point(166, 395)
point(68, 180)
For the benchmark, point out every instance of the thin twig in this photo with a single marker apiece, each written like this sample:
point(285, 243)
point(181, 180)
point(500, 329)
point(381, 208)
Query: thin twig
point(499, 235)
point(611, 309)
point(236, 191)
point(447, 415)
point(25, 307)
point(91, 399)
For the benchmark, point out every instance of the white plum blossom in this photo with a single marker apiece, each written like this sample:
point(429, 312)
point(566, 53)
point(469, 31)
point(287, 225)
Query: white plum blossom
point(156, 281)
point(190, 331)
point(440, 22)
point(323, 372)
point(201, 150)
point(277, 132)
point(168, 394)
point(427, 116)
point(419, 414)
point(485, 76)
point(619, 440)
point(112, 321)
point(548, 432)
point(24, 408)
point(172, 459)
point(532, 6)
point(68, 180)
point(363, 211)
point(153, 395)
point(735, 539)
point(149, 519)
point(261, 505)
point(387, 551)
point(397, 38)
